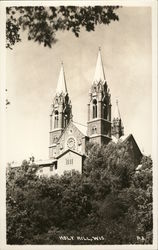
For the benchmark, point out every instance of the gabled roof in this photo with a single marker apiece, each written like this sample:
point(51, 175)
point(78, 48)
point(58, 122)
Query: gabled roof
point(122, 138)
point(81, 127)
point(61, 86)
point(69, 150)
point(136, 150)
point(128, 138)
point(125, 138)
point(99, 70)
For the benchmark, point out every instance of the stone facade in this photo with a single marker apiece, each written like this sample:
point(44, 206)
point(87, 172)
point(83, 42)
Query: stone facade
point(71, 138)
point(70, 160)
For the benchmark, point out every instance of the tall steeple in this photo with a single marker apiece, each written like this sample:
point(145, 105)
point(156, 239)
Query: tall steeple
point(61, 86)
point(117, 125)
point(99, 106)
point(61, 112)
point(99, 70)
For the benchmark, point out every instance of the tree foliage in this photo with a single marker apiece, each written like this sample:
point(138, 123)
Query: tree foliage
point(110, 203)
point(42, 23)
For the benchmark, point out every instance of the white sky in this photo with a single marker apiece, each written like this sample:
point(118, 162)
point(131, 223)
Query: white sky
point(32, 73)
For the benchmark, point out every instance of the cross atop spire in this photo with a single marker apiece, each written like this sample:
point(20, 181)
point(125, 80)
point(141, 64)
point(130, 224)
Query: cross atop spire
point(99, 70)
point(61, 86)
point(117, 111)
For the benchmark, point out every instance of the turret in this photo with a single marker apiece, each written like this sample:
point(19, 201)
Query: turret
point(117, 125)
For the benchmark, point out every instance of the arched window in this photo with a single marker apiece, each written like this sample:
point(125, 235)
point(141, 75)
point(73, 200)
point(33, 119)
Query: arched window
point(94, 130)
point(56, 119)
point(94, 108)
point(55, 139)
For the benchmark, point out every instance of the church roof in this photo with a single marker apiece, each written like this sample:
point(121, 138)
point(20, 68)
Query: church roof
point(99, 70)
point(117, 111)
point(126, 138)
point(45, 162)
point(81, 127)
point(61, 86)
point(69, 150)
point(121, 139)
point(114, 139)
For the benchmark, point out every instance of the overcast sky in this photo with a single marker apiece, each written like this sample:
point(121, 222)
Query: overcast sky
point(32, 73)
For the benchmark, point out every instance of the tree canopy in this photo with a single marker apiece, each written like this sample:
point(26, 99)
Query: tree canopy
point(109, 203)
point(42, 23)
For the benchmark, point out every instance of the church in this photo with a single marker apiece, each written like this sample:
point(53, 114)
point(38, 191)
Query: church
point(68, 139)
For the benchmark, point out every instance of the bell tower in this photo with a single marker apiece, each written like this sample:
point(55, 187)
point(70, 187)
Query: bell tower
point(99, 107)
point(61, 112)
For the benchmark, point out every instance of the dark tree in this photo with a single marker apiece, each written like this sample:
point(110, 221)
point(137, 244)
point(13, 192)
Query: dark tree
point(42, 23)
point(110, 199)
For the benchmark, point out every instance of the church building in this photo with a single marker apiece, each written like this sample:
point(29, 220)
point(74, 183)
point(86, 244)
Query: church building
point(68, 139)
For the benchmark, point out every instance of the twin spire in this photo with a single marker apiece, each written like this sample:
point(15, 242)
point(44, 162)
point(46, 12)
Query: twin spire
point(98, 76)
point(61, 86)
point(99, 70)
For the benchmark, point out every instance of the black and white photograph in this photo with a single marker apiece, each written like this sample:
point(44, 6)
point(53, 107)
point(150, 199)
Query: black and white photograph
point(79, 124)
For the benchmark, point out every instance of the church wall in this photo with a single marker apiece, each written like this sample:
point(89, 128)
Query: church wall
point(105, 140)
point(99, 126)
point(54, 135)
point(46, 170)
point(73, 133)
point(134, 150)
point(99, 139)
point(94, 127)
point(68, 162)
point(95, 139)
point(85, 140)
point(52, 151)
point(106, 128)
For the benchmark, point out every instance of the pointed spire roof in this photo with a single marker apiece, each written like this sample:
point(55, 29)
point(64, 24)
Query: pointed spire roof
point(61, 86)
point(99, 70)
point(117, 111)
